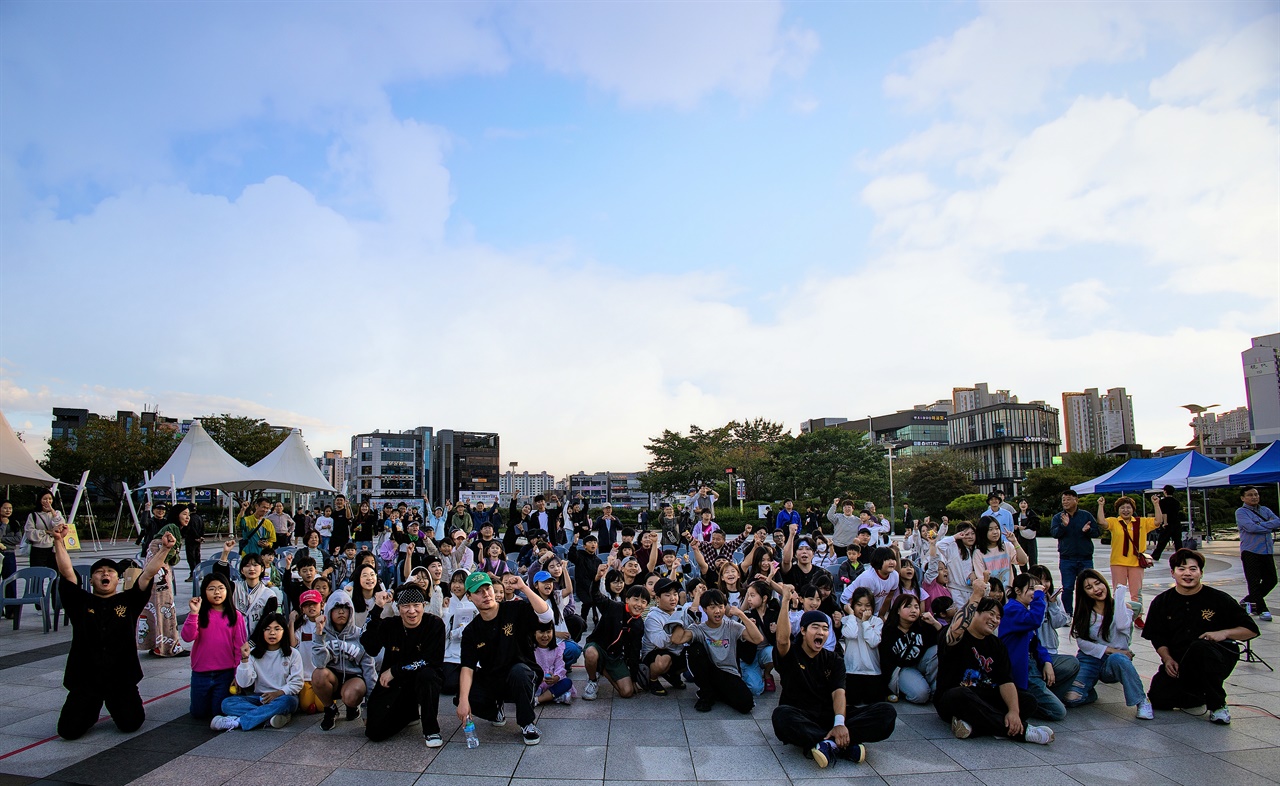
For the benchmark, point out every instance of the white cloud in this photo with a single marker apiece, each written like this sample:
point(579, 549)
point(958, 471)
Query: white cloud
point(1005, 60)
point(665, 53)
point(1229, 71)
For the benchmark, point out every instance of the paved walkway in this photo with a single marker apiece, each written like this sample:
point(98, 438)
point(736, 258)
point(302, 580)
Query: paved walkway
point(626, 742)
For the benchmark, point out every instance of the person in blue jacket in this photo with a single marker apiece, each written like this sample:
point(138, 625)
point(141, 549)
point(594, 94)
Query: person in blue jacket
point(1257, 525)
point(1075, 530)
point(1031, 665)
point(787, 516)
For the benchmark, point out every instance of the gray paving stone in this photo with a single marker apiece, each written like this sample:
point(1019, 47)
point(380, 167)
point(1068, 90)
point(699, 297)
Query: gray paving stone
point(646, 708)
point(573, 731)
point(981, 753)
point(247, 745)
point(1263, 762)
point(404, 752)
point(52, 756)
point(1069, 747)
point(280, 774)
point(1211, 738)
point(179, 772)
point(744, 764)
point(908, 758)
point(365, 777)
point(562, 762)
point(1021, 776)
point(648, 763)
point(654, 733)
point(952, 779)
point(1202, 768)
point(489, 761)
point(724, 731)
point(1117, 773)
point(430, 779)
point(1136, 743)
point(311, 749)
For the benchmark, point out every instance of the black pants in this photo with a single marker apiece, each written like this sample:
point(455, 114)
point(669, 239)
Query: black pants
point(1260, 577)
point(412, 696)
point(488, 695)
point(80, 711)
point(452, 675)
point(42, 558)
point(806, 729)
point(586, 602)
point(716, 684)
point(983, 709)
point(1201, 672)
point(1163, 536)
point(193, 554)
point(865, 688)
point(576, 625)
point(1032, 548)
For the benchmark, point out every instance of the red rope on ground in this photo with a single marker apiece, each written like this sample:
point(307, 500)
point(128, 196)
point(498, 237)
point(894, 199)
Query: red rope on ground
point(100, 720)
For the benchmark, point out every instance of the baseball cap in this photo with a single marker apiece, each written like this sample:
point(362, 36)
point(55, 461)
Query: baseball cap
point(477, 580)
point(310, 596)
point(541, 575)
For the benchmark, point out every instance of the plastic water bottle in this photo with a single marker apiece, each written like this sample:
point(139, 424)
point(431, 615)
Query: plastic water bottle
point(470, 730)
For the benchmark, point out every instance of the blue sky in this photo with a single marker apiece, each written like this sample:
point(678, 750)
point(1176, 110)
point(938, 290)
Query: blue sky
point(578, 224)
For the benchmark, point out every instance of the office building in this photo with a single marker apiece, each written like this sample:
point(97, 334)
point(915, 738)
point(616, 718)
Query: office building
point(1096, 423)
point(1005, 437)
point(67, 421)
point(464, 461)
point(1262, 388)
point(527, 484)
point(390, 465)
point(818, 424)
point(910, 431)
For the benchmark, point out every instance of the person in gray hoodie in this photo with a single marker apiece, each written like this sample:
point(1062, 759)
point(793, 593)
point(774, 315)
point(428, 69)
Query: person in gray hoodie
point(846, 523)
point(343, 668)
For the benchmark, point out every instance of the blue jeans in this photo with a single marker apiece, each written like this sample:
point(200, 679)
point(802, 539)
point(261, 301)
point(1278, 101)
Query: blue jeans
point(1070, 568)
point(324, 543)
point(1111, 669)
point(1049, 700)
point(572, 651)
point(916, 683)
point(208, 690)
point(753, 672)
point(253, 713)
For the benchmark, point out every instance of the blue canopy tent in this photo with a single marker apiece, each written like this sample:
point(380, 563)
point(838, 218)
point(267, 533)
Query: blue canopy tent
point(1261, 467)
point(1155, 473)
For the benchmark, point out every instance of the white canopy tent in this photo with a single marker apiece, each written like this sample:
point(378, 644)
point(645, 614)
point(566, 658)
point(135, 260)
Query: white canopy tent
point(17, 468)
point(200, 463)
point(291, 468)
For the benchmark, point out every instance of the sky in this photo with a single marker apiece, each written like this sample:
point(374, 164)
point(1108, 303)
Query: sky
point(580, 224)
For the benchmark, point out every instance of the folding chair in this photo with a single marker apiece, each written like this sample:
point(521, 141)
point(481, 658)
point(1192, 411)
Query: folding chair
point(37, 590)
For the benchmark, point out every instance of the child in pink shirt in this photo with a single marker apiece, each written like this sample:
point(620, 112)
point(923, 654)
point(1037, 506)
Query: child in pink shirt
point(549, 653)
point(217, 631)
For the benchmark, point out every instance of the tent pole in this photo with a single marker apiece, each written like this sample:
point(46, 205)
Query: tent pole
point(1204, 505)
point(1190, 518)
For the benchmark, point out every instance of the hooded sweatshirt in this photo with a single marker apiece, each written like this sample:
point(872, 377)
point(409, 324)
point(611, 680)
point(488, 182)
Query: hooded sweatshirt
point(1018, 627)
point(341, 649)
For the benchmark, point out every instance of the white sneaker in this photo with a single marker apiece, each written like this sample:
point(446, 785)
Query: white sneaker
point(433, 741)
point(961, 729)
point(590, 691)
point(500, 720)
point(1221, 716)
point(1040, 735)
point(280, 721)
point(224, 723)
point(564, 699)
point(1145, 712)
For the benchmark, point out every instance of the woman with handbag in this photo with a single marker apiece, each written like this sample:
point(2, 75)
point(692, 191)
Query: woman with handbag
point(1128, 561)
point(10, 540)
point(39, 530)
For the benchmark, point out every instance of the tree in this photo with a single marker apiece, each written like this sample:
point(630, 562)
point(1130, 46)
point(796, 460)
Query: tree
point(832, 462)
point(931, 485)
point(968, 507)
point(1043, 487)
point(750, 448)
point(110, 454)
point(673, 464)
point(678, 463)
point(248, 440)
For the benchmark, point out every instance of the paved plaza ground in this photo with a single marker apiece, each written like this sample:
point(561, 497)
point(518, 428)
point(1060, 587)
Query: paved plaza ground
point(616, 742)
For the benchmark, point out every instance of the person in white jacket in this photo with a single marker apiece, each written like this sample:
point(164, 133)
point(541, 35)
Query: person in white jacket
point(457, 613)
point(1102, 626)
point(864, 684)
point(269, 677)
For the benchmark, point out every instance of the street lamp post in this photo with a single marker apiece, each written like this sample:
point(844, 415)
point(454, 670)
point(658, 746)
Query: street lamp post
point(511, 486)
point(1199, 410)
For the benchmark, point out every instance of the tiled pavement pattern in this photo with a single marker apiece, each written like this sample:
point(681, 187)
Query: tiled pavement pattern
point(642, 740)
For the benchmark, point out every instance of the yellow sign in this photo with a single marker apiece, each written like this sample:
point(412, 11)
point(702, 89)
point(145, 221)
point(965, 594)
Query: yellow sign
point(73, 538)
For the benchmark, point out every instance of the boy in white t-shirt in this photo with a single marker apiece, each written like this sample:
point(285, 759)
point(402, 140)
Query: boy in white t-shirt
point(882, 579)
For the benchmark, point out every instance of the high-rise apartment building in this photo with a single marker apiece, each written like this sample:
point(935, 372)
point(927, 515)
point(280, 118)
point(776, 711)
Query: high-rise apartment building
point(528, 484)
point(1262, 387)
point(977, 397)
point(619, 489)
point(333, 465)
point(1095, 422)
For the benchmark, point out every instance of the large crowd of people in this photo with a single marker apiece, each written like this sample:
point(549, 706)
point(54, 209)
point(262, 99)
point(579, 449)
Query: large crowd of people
point(373, 615)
